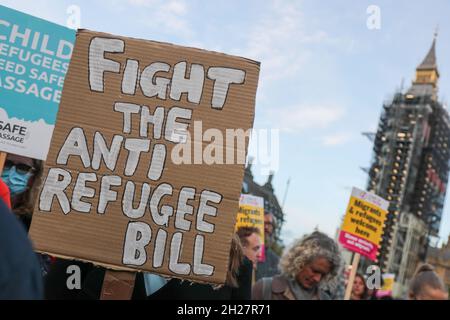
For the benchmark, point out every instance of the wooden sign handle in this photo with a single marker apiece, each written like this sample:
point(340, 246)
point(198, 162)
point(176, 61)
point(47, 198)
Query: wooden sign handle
point(351, 279)
point(3, 156)
point(118, 285)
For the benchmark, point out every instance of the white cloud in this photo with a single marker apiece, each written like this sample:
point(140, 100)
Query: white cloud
point(143, 3)
point(166, 15)
point(176, 7)
point(299, 118)
point(336, 139)
point(278, 41)
point(270, 42)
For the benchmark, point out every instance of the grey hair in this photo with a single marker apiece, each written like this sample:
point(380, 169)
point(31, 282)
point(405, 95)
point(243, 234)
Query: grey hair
point(425, 276)
point(308, 248)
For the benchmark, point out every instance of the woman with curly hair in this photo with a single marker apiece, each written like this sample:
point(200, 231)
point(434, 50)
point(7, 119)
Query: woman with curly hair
point(306, 268)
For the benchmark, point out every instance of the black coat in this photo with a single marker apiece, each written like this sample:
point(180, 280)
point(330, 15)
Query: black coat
point(92, 282)
point(20, 274)
point(177, 289)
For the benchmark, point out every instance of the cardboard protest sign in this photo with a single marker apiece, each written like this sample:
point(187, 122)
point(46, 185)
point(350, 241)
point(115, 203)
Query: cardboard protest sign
point(363, 223)
point(34, 58)
point(251, 214)
point(136, 177)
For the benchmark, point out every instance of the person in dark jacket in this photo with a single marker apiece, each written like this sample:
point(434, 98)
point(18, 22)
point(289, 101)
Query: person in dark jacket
point(22, 176)
point(268, 267)
point(20, 276)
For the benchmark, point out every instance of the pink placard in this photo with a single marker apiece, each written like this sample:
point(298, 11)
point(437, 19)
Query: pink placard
point(358, 245)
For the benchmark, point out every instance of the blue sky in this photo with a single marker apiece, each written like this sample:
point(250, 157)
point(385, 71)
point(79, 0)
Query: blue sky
point(324, 77)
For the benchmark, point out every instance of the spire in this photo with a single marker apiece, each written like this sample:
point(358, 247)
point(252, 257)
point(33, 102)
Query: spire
point(429, 63)
point(268, 184)
point(427, 72)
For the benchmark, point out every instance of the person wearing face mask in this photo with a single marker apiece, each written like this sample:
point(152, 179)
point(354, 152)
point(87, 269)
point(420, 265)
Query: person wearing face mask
point(21, 174)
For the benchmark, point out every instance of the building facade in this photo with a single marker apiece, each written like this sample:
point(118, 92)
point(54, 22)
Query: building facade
point(410, 169)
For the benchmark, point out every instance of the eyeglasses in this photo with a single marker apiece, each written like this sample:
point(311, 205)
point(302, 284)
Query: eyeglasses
point(21, 168)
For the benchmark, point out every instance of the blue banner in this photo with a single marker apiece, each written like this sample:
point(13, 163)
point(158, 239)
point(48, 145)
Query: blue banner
point(34, 59)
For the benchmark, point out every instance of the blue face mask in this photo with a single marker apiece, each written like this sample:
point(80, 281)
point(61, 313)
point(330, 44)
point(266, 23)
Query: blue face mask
point(17, 182)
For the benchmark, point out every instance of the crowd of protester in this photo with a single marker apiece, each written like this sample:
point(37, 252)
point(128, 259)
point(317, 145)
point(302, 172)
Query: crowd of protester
point(312, 268)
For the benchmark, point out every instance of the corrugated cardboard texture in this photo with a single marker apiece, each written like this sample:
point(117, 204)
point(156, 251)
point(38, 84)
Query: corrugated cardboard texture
point(100, 238)
point(118, 285)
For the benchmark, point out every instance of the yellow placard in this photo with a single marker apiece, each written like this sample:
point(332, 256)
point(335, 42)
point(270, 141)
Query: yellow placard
point(364, 219)
point(251, 213)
